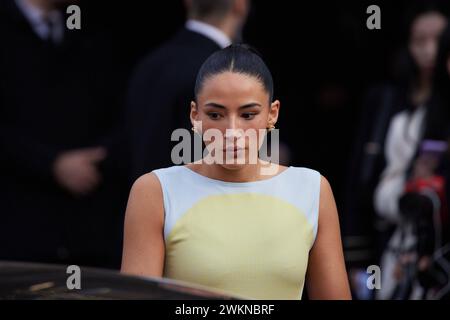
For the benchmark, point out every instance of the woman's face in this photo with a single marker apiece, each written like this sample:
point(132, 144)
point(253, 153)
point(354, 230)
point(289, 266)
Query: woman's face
point(423, 42)
point(238, 106)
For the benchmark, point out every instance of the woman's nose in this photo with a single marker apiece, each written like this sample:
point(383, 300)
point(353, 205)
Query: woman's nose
point(232, 130)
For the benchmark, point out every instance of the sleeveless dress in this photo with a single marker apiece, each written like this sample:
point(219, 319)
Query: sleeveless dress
point(249, 239)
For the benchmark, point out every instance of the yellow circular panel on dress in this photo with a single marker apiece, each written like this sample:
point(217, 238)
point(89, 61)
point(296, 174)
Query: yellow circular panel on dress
point(249, 244)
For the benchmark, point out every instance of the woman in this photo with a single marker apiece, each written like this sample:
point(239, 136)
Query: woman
point(230, 226)
point(406, 127)
point(405, 132)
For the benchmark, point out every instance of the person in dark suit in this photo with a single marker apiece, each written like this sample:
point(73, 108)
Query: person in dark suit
point(161, 88)
point(61, 196)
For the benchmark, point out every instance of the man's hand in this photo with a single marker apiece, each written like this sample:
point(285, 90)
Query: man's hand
point(76, 170)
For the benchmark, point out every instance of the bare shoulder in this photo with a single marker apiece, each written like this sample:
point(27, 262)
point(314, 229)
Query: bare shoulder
point(325, 187)
point(327, 276)
point(327, 204)
point(146, 196)
point(146, 183)
point(143, 246)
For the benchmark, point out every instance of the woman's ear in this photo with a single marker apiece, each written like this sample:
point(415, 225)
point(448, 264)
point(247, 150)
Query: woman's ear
point(194, 113)
point(273, 112)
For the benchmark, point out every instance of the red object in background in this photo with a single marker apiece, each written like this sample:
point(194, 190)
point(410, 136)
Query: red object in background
point(437, 184)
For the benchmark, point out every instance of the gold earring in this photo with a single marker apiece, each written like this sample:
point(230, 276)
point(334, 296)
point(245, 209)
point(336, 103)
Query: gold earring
point(271, 127)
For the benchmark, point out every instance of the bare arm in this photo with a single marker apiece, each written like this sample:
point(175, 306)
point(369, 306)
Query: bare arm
point(326, 276)
point(143, 248)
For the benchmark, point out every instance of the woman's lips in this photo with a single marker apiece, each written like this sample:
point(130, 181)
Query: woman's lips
point(233, 149)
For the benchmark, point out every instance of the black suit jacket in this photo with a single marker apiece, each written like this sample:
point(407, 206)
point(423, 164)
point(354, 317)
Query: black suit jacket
point(53, 99)
point(159, 97)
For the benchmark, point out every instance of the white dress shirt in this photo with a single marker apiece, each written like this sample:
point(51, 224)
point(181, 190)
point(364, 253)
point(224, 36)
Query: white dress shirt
point(37, 19)
point(402, 139)
point(209, 31)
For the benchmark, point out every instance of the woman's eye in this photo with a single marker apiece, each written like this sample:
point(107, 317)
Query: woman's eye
point(214, 115)
point(248, 116)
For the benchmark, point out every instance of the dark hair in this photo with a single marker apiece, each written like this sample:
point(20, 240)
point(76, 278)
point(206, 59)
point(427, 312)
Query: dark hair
point(417, 9)
point(406, 71)
point(438, 114)
point(209, 8)
point(239, 58)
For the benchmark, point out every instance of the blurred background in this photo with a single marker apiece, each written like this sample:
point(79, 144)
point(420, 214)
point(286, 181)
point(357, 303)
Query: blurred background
point(84, 112)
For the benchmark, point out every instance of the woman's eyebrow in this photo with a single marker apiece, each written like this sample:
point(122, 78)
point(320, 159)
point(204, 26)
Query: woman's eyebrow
point(216, 105)
point(249, 105)
point(245, 106)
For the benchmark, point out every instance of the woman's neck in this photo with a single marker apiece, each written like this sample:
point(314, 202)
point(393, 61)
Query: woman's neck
point(422, 90)
point(245, 173)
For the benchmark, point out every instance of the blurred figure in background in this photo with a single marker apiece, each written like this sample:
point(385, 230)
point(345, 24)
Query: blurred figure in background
point(164, 81)
point(403, 138)
point(62, 188)
point(390, 129)
point(425, 202)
